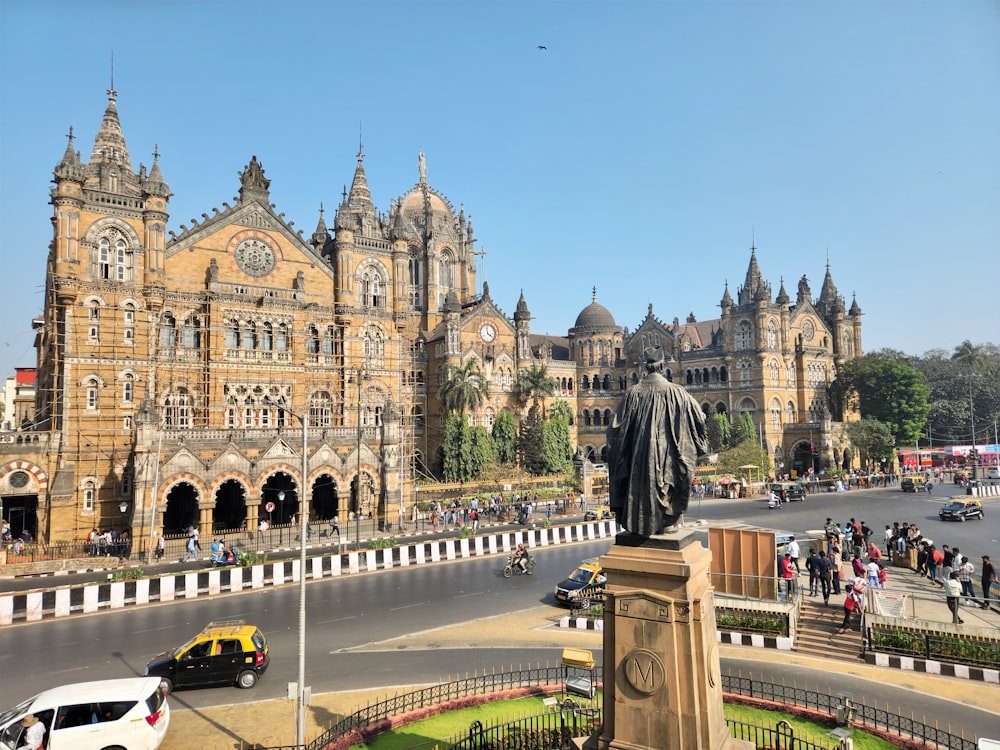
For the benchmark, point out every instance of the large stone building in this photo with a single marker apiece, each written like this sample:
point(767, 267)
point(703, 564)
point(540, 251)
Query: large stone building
point(174, 367)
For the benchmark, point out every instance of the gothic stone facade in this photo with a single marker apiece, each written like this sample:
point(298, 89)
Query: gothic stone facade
point(174, 367)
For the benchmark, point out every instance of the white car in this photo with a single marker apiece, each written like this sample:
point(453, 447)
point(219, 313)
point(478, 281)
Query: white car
point(993, 472)
point(131, 714)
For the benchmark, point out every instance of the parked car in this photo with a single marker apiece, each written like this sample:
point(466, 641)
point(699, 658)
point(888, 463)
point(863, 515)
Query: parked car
point(129, 714)
point(959, 510)
point(600, 513)
point(913, 484)
point(586, 579)
point(993, 472)
point(227, 652)
point(788, 491)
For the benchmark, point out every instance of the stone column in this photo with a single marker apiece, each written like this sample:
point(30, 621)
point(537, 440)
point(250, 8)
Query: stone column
point(662, 684)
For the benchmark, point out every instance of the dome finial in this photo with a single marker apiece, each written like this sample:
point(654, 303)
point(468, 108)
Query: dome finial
point(593, 297)
point(422, 164)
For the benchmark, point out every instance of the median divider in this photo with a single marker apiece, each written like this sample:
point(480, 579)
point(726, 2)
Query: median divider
point(64, 601)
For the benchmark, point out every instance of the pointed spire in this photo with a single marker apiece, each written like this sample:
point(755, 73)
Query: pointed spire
point(727, 299)
point(828, 294)
point(782, 298)
point(321, 235)
point(70, 168)
point(360, 194)
point(109, 144)
point(154, 184)
point(855, 310)
point(522, 313)
point(754, 287)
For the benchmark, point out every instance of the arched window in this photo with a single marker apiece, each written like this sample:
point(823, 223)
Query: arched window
point(445, 279)
point(104, 258)
point(585, 382)
point(329, 337)
point(320, 409)
point(586, 418)
point(191, 333)
point(744, 335)
point(607, 417)
point(177, 409)
point(91, 386)
point(723, 374)
point(312, 340)
point(774, 411)
point(774, 369)
point(168, 331)
point(89, 491)
point(128, 389)
point(772, 335)
point(232, 413)
point(790, 412)
point(94, 318)
point(129, 330)
point(250, 336)
point(233, 334)
point(607, 382)
point(267, 337)
point(281, 338)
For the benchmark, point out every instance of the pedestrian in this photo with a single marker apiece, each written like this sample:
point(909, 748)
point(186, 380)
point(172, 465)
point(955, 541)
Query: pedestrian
point(873, 569)
point(824, 570)
point(788, 573)
point(161, 546)
point(953, 590)
point(858, 567)
point(947, 560)
point(851, 603)
point(934, 558)
point(793, 551)
point(812, 565)
point(965, 573)
point(836, 570)
point(192, 550)
point(334, 526)
point(874, 553)
point(887, 537)
point(989, 577)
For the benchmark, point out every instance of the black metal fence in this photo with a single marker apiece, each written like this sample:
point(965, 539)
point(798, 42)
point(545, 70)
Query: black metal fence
point(369, 721)
point(553, 730)
point(853, 712)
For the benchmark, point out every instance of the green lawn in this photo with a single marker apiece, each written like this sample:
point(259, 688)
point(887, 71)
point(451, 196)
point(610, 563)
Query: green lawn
point(429, 733)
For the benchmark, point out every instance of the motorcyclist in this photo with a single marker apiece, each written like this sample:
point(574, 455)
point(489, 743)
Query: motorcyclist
point(522, 557)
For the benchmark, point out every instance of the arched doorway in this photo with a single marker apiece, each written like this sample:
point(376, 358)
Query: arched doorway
point(280, 489)
point(325, 498)
point(182, 509)
point(230, 506)
point(804, 458)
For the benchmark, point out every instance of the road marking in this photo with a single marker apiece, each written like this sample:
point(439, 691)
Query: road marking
point(338, 619)
point(57, 645)
point(463, 596)
point(409, 606)
point(65, 671)
point(153, 630)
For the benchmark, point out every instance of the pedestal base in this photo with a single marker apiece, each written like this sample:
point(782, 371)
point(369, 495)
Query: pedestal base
point(662, 685)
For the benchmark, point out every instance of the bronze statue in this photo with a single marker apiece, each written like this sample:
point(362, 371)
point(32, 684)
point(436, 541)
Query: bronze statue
point(653, 446)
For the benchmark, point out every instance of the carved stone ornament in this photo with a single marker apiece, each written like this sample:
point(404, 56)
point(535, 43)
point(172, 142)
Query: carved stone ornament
point(642, 606)
point(644, 671)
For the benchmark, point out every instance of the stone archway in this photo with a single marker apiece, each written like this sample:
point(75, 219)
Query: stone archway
point(181, 511)
point(230, 506)
point(325, 502)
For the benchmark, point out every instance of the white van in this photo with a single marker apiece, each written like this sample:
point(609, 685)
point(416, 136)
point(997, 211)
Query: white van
point(131, 714)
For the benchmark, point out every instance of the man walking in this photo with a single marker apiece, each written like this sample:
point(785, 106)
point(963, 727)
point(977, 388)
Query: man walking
point(793, 551)
point(989, 577)
point(192, 551)
point(824, 568)
point(812, 565)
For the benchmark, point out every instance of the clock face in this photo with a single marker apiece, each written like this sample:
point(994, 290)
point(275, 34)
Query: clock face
point(487, 333)
point(808, 330)
point(254, 256)
point(18, 479)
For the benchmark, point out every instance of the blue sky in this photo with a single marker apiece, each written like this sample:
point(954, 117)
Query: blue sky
point(642, 152)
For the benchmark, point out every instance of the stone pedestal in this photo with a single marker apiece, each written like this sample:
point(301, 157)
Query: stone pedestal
point(662, 684)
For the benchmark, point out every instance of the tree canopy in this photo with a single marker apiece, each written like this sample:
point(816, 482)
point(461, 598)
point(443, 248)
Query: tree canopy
point(533, 385)
point(886, 389)
point(873, 438)
point(464, 387)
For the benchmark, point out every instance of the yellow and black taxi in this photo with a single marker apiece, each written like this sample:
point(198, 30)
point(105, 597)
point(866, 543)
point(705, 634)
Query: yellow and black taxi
point(788, 491)
point(583, 583)
point(911, 483)
point(598, 513)
point(959, 510)
point(225, 652)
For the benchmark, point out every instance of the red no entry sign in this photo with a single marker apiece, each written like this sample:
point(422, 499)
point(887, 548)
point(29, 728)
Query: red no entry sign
point(269, 506)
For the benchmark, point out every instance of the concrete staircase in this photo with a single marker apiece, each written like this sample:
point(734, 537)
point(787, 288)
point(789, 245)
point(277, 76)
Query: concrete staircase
point(817, 627)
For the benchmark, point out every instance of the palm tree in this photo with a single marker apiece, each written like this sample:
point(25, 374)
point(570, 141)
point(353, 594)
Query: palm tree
point(972, 357)
point(464, 387)
point(534, 384)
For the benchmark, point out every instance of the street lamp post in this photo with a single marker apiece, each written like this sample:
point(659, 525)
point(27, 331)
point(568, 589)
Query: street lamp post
point(281, 515)
point(972, 419)
point(359, 375)
point(300, 712)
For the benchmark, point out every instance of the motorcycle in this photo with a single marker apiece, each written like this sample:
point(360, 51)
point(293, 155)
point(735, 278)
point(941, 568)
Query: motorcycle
point(513, 567)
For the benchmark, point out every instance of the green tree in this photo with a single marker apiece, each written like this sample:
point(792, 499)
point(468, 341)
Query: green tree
point(482, 451)
point(531, 442)
point(558, 449)
point(719, 432)
point(505, 437)
point(872, 438)
point(743, 430)
point(746, 453)
point(464, 387)
point(457, 465)
point(534, 385)
point(891, 391)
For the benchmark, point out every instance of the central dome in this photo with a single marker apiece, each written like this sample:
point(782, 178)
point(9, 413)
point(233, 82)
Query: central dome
point(595, 318)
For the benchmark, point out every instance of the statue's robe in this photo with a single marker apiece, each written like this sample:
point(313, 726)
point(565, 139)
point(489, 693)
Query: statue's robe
point(654, 442)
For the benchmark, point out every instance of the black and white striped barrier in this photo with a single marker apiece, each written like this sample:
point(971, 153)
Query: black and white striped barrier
point(39, 604)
